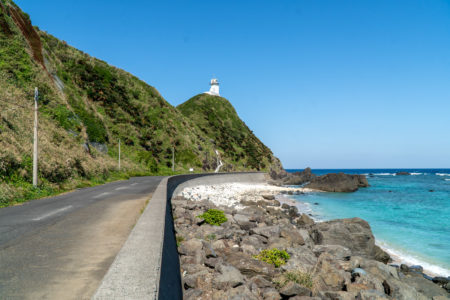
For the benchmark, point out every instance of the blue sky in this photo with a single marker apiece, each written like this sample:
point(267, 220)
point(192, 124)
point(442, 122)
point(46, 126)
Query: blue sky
point(326, 84)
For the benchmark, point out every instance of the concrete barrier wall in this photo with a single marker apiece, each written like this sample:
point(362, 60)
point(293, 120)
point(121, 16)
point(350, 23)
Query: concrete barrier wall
point(147, 266)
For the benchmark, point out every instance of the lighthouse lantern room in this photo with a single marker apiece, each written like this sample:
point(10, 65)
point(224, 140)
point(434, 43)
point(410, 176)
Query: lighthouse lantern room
point(214, 89)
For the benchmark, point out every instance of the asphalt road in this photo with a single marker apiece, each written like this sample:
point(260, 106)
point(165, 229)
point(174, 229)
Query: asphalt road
point(61, 247)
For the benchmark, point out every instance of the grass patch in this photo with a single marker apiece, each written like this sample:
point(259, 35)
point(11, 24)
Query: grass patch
point(301, 278)
point(273, 256)
point(180, 239)
point(213, 217)
point(19, 191)
point(145, 205)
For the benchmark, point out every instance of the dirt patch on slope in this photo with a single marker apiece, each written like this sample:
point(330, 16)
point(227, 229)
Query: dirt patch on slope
point(29, 33)
point(4, 26)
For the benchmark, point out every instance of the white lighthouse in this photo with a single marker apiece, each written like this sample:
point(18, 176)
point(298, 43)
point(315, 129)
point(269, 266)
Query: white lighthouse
point(214, 89)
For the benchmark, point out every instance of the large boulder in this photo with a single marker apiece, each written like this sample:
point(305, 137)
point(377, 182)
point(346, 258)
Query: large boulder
point(229, 277)
point(298, 178)
point(354, 234)
point(328, 276)
point(294, 289)
point(338, 182)
point(247, 265)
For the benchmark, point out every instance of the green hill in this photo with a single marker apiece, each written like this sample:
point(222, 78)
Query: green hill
point(86, 106)
point(217, 119)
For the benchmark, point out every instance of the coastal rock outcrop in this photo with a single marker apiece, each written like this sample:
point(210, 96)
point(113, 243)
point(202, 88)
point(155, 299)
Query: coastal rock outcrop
point(354, 234)
point(296, 178)
point(403, 173)
point(337, 259)
point(338, 182)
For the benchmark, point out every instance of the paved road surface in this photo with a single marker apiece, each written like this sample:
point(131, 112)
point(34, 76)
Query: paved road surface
point(61, 247)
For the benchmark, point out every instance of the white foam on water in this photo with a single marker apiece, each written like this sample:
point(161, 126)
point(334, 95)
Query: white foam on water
point(385, 174)
point(416, 173)
point(447, 179)
point(400, 257)
point(442, 174)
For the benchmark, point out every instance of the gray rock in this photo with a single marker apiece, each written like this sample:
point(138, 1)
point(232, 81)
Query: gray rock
point(192, 294)
point(239, 293)
point(190, 247)
point(425, 286)
point(269, 197)
point(261, 282)
point(229, 277)
point(338, 182)
point(380, 255)
point(403, 173)
point(441, 280)
point(293, 236)
point(355, 234)
point(416, 268)
point(302, 259)
point(208, 250)
point(293, 212)
point(244, 221)
point(337, 251)
point(298, 178)
point(271, 294)
point(249, 266)
point(371, 295)
point(328, 276)
point(213, 262)
point(337, 295)
point(294, 289)
point(447, 287)
point(267, 231)
point(304, 220)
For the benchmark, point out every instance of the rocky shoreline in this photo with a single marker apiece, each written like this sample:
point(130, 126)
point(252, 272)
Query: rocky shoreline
point(336, 259)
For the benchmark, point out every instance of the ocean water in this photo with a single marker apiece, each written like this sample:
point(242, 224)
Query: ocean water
point(409, 215)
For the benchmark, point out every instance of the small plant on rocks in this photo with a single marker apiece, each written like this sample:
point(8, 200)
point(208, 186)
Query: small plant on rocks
point(211, 237)
point(301, 278)
point(273, 256)
point(180, 239)
point(213, 217)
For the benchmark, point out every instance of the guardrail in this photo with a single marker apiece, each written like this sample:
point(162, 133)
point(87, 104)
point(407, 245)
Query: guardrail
point(147, 266)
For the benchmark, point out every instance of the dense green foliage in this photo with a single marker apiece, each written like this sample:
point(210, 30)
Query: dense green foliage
point(214, 217)
point(273, 256)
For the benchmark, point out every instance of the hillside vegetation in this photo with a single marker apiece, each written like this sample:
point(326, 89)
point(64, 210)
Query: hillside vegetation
point(216, 118)
point(86, 106)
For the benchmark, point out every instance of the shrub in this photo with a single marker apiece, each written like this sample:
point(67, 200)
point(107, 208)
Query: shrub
point(273, 256)
point(214, 217)
point(303, 279)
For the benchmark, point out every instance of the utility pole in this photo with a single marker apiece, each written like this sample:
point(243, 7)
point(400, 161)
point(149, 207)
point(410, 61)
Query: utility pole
point(35, 139)
point(119, 154)
point(173, 159)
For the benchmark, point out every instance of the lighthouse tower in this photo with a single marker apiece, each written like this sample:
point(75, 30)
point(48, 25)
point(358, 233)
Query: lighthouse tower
point(214, 90)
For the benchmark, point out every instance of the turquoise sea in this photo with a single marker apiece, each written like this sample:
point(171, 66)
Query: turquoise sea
point(409, 215)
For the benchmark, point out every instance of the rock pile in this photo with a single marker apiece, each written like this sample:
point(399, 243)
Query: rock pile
point(329, 260)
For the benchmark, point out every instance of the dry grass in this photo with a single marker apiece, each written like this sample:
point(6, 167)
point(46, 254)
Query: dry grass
point(301, 278)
